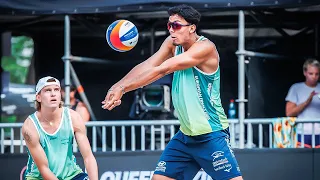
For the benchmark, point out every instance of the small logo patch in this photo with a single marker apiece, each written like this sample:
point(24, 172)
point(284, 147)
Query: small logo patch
point(161, 166)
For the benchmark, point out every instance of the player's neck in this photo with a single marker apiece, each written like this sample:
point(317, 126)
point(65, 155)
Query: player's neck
point(194, 38)
point(51, 114)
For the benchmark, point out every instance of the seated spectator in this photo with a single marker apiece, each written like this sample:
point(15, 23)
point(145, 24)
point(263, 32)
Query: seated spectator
point(75, 103)
point(303, 101)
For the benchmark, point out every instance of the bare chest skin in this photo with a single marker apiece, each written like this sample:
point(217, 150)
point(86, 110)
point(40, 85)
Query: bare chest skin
point(50, 128)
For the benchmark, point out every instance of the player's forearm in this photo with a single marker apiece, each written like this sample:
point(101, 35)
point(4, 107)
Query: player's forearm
point(91, 167)
point(148, 76)
point(47, 174)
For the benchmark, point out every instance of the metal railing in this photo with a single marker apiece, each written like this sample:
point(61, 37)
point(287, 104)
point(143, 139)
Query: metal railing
point(140, 135)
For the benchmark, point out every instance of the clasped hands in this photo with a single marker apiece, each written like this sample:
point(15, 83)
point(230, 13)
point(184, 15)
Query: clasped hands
point(113, 98)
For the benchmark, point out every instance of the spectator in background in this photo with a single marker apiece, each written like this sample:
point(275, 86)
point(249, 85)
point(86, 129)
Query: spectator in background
point(303, 101)
point(75, 104)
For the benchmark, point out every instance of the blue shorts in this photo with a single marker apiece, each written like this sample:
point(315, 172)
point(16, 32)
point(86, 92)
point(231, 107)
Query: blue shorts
point(185, 155)
point(81, 176)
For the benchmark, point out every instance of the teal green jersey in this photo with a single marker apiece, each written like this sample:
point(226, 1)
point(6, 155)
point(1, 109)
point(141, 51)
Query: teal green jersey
point(196, 98)
point(58, 150)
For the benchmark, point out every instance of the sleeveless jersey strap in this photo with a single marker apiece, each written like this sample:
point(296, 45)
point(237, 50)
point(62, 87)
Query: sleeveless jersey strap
point(36, 122)
point(68, 120)
point(201, 38)
point(178, 50)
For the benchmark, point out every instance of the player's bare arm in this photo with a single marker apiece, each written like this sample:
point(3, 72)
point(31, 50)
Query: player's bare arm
point(196, 55)
point(32, 140)
point(164, 52)
point(84, 145)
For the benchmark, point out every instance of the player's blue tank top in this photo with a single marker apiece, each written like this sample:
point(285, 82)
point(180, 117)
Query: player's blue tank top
point(196, 98)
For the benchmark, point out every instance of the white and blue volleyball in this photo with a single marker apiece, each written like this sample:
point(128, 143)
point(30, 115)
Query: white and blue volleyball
point(122, 35)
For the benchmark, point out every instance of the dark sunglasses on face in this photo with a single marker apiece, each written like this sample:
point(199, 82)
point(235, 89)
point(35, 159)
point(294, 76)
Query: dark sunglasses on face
point(175, 25)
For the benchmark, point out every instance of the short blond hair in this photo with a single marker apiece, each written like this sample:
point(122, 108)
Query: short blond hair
point(311, 62)
point(37, 105)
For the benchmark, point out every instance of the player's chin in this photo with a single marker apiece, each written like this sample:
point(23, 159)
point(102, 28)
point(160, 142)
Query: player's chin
point(176, 43)
point(54, 104)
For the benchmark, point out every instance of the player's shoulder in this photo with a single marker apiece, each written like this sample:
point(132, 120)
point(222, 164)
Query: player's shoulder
point(28, 125)
point(75, 117)
point(206, 42)
point(204, 46)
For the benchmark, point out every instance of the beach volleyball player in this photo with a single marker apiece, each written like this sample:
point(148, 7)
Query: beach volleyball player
point(49, 135)
point(203, 138)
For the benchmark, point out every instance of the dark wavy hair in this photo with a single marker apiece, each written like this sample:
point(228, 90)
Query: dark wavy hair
point(187, 12)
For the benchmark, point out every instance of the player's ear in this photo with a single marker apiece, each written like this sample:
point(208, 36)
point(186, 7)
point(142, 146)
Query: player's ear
point(192, 28)
point(38, 98)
